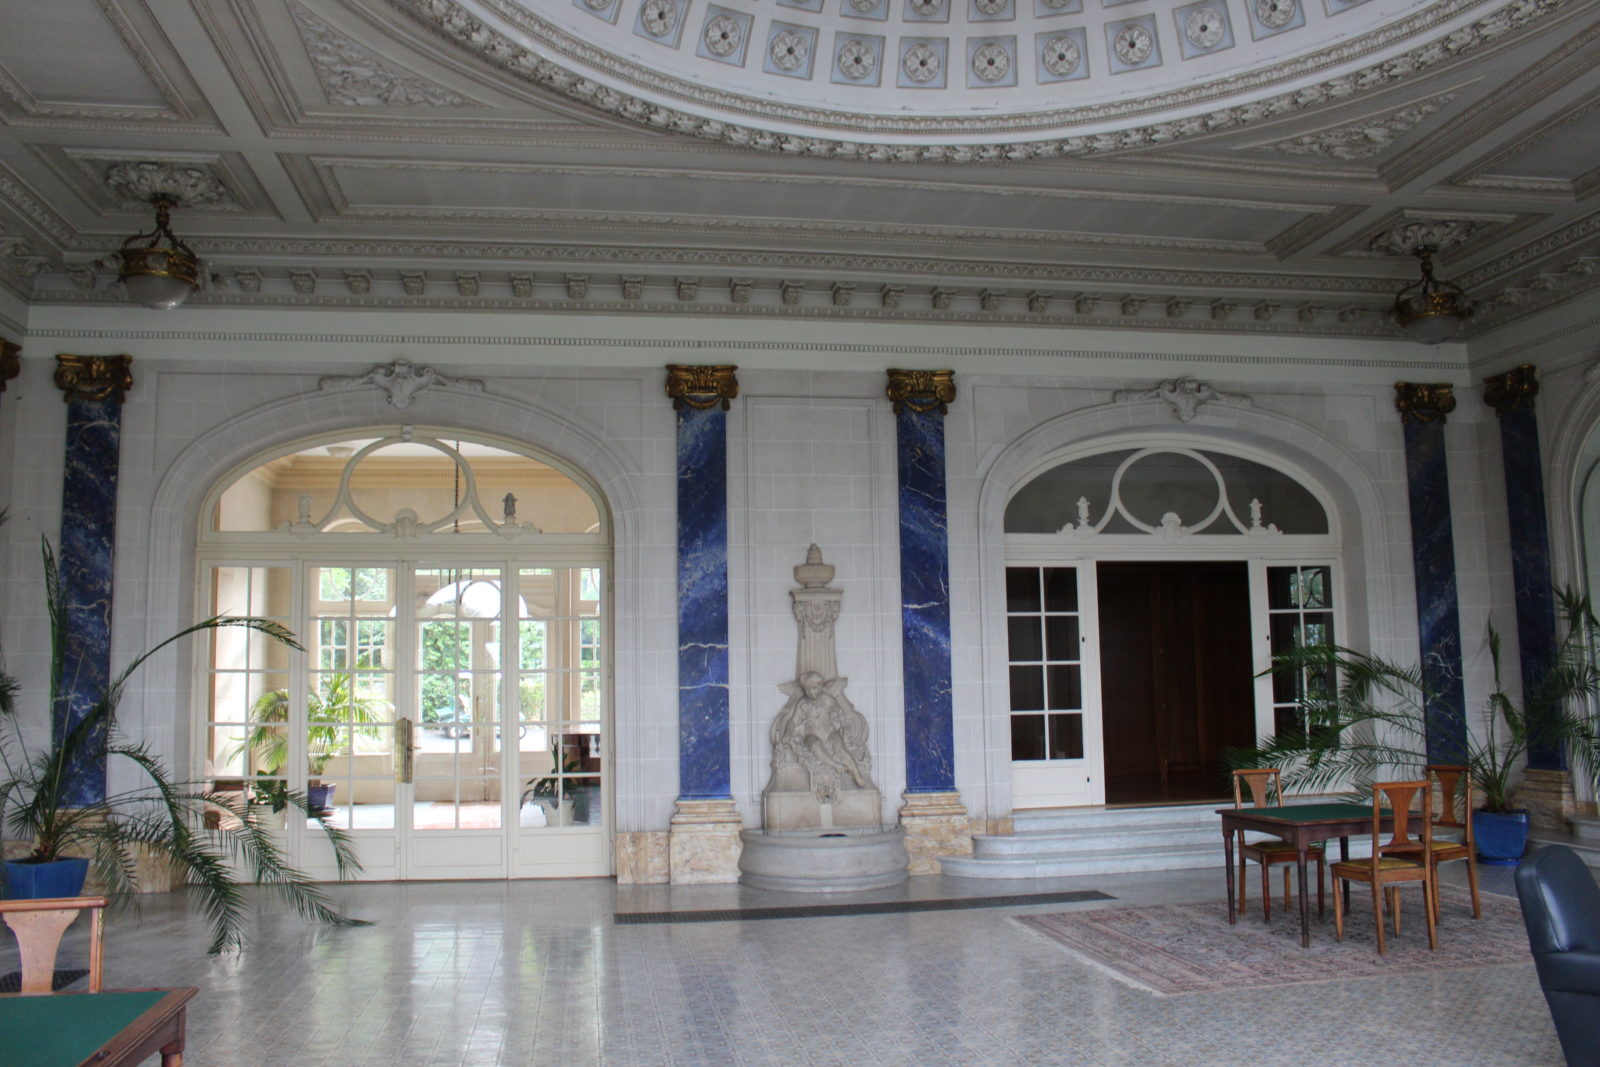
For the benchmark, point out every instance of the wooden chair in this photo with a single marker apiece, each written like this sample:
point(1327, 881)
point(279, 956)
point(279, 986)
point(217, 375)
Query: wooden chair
point(38, 926)
point(1266, 790)
point(1454, 779)
point(1401, 859)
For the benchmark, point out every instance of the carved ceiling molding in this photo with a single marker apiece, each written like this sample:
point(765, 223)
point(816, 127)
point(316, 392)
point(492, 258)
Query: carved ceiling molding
point(1441, 235)
point(1478, 176)
point(401, 381)
point(29, 207)
point(1052, 352)
point(1552, 245)
point(175, 111)
point(1361, 139)
point(921, 305)
point(503, 53)
point(143, 180)
point(353, 75)
point(1185, 396)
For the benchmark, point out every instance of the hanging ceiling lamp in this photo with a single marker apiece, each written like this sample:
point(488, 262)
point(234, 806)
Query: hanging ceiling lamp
point(1430, 310)
point(157, 269)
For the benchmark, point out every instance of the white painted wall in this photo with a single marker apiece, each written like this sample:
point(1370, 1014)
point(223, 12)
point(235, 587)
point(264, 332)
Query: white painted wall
point(811, 442)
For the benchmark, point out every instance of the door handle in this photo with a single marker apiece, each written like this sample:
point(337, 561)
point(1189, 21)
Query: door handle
point(404, 754)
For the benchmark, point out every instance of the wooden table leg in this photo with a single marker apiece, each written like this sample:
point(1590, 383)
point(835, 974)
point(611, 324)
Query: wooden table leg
point(1227, 853)
point(1300, 850)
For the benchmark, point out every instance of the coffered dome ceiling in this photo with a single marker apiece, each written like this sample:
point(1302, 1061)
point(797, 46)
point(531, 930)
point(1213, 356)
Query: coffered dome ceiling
point(1040, 77)
point(1204, 166)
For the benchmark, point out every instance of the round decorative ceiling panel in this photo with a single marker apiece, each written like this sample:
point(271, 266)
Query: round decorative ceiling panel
point(966, 79)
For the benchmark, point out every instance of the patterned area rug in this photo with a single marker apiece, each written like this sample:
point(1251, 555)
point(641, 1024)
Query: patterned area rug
point(1190, 948)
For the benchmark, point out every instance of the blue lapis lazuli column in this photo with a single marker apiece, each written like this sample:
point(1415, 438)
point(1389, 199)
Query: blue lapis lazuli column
point(1511, 395)
point(925, 601)
point(703, 769)
point(1433, 561)
point(84, 556)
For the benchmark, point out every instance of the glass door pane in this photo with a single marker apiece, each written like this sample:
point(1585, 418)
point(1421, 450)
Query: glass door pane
point(350, 699)
point(459, 759)
point(560, 692)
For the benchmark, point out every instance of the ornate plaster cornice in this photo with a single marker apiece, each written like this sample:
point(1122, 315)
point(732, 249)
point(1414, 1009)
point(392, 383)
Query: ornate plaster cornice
point(1424, 402)
point(1361, 139)
point(701, 387)
point(1512, 390)
point(94, 377)
point(921, 391)
point(454, 23)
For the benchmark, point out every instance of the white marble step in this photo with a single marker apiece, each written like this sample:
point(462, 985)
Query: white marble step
point(1071, 841)
point(1083, 861)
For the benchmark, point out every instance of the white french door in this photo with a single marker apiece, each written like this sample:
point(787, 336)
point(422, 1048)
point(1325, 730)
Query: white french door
point(450, 718)
point(1054, 665)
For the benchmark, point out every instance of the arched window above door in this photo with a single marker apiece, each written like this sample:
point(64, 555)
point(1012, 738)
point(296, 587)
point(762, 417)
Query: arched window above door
point(1165, 492)
point(407, 484)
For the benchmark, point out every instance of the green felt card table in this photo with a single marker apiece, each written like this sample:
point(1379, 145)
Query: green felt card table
point(1299, 825)
point(114, 1027)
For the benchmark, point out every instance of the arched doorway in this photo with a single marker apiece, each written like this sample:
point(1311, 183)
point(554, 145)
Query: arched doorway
point(1147, 589)
point(451, 707)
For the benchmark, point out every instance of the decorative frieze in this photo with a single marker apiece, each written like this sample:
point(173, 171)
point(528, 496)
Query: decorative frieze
point(1185, 396)
point(1423, 401)
point(94, 378)
point(401, 381)
point(921, 391)
point(701, 387)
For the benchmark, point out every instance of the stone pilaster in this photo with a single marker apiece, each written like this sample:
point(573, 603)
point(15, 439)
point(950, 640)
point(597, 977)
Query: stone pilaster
point(1423, 408)
point(644, 857)
point(1512, 396)
point(705, 843)
point(93, 387)
point(936, 824)
point(1548, 796)
point(921, 399)
point(10, 362)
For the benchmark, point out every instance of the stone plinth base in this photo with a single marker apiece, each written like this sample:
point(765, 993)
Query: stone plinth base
point(794, 810)
point(644, 857)
point(1548, 797)
point(823, 861)
point(936, 825)
point(705, 844)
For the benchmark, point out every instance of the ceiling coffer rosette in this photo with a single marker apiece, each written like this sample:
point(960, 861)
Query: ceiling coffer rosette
point(723, 71)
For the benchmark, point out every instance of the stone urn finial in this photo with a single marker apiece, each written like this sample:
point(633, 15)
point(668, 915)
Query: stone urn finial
point(813, 573)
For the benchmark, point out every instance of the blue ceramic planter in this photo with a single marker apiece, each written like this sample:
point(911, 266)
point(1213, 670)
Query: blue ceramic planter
point(42, 881)
point(1501, 836)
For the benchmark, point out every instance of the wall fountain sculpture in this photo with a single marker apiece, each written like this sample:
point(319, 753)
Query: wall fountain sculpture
point(821, 812)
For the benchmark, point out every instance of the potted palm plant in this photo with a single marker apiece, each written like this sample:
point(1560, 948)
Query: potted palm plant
point(339, 704)
point(160, 817)
point(1370, 723)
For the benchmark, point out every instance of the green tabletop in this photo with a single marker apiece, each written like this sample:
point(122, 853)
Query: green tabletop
point(1318, 812)
point(52, 1031)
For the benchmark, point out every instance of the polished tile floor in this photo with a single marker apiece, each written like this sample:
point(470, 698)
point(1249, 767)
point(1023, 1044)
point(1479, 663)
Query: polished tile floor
point(537, 973)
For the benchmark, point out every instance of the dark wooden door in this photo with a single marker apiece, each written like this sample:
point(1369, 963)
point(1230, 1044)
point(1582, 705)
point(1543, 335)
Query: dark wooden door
point(1175, 677)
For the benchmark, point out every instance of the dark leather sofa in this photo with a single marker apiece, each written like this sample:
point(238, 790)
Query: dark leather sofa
point(1561, 908)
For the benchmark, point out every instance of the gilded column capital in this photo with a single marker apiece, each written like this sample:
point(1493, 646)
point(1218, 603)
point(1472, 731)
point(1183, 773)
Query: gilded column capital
point(1423, 401)
point(701, 386)
point(1511, 390)
point(921, 390)
point(10, 362)
point(94, 377)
